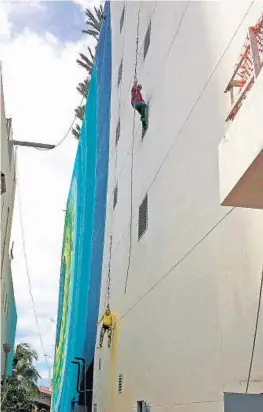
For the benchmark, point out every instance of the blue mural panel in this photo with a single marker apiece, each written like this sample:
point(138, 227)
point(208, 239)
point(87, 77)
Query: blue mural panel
point(82, 255)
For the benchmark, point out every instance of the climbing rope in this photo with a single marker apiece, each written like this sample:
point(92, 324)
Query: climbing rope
point(109, 275)
point(132, 159)
point(108, 284)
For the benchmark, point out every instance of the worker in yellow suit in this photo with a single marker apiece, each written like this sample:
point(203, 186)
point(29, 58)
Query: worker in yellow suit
point(107, 326)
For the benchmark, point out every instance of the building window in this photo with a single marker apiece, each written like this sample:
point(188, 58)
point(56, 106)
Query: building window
point(144, 129)
point(120, 74)
point(143, 217)
point(122, 19)
point(115, 196)
point(95, 409)
point(147, 40)
point(99, 364)
point(118, 132)
point(120, 383)
point(3, 183)
point(141, 406)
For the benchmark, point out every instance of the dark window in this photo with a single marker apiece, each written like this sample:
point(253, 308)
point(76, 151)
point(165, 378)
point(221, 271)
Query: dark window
point(115, 196)
point(141, 406)
point(122, 19)
point(118, 132)
point(99, 364)
point(120, 74)
point(144, 129)
point(143, 217)
point(3, 183)
point(120, 383)
point(147, 40)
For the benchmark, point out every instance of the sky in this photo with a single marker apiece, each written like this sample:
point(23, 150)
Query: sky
point(39, 44)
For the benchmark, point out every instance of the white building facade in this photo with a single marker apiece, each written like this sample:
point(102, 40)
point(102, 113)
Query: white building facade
point(8, 307)
point(185, 270)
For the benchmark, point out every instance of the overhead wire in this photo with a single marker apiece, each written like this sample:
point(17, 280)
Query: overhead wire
point(28, 276)
point(199, 96)
point(197, 100)
point(65, 135)
point(202, 91)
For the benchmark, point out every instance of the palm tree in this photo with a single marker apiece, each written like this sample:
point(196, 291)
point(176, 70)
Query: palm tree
point(23, 365)
point(83, 88)
point(94, 21)
point(87, 62)
point(22, 385)
point(76, 131)
point(79, 112)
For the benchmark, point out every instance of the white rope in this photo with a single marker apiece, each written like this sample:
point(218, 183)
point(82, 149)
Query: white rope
point(132, 160)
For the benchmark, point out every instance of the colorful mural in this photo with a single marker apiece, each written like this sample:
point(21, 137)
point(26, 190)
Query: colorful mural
point(66, 283)
point(81, 262)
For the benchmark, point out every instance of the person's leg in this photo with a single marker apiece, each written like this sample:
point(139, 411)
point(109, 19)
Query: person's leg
point(138, 107)
point(141, 108)
point(143, 111)
point(102, 333)
point(109, 337)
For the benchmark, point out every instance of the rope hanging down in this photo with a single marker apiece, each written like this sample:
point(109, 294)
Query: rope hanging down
point(108, 284)
point(109, 275)
point(132, 152)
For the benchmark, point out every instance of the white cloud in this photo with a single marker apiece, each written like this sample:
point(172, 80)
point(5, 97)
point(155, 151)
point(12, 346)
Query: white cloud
point(5, 24)
point(40, 77)
point(88, 3)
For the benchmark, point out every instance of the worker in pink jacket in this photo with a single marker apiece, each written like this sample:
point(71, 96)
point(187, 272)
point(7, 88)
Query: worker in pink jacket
point(138, 103)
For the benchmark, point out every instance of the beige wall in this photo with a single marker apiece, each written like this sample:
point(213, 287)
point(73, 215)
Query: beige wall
point(185, 326)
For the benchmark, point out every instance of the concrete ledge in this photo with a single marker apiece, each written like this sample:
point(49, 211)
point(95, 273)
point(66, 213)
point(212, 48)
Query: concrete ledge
point(241, 154)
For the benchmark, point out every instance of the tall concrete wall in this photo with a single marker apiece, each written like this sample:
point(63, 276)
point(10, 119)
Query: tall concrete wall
point(8, 309)
point(186, 322)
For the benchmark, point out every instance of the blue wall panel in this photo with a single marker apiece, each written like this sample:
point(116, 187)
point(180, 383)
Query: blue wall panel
point(82, 255)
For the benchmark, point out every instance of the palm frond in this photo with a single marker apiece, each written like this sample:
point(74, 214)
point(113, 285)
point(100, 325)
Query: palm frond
point(83, 88)
point(92, 33)
point(76, 131)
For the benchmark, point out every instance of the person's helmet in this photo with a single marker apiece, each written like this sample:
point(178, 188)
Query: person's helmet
point(107, 309)
point(139, 87)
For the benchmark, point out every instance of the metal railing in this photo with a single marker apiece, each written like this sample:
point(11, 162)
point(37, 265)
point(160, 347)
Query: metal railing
point(247, 69)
